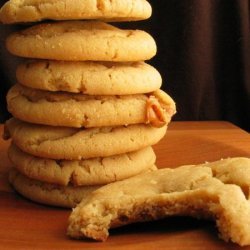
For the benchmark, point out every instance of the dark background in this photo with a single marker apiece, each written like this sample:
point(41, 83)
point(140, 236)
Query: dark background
point(203, 56)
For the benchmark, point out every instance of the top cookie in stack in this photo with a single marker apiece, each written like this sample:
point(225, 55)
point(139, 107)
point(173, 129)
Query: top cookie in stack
point(19, 11)
point(86, 97)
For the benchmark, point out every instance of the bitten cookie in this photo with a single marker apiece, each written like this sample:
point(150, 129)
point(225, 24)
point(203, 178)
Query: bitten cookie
point(76, 144)
point(92, 78)
point(81, 41)
point(186, 190)
point(16, 11)
point(49, 194)
point(78, 110)
point(96, 171)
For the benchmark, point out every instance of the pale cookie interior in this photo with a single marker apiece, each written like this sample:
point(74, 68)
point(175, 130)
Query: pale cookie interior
point(187, 190)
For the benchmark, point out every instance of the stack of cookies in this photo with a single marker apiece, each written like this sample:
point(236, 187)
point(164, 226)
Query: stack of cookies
point(87, 108)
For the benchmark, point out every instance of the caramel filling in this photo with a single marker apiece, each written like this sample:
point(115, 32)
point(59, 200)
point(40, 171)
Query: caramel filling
point(159, 109)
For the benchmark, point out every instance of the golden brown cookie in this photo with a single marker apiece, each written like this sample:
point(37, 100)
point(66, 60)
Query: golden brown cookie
point(96, 171)
point(52, 194)
point(76, 144)
point(184, 191)
point(78, 110)
point(49, 194)
point(16, 11)
point(91, 78)
point(81, 41)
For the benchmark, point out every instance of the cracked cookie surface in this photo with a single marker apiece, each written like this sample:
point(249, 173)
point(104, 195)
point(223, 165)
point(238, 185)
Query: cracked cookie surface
point(52, 194)
point(78, 110)
point(96, 171)
point(76, 144)
point(91, 78)
point(81, 41)
point(187, 190)
point(46, 193)
point(16, 11)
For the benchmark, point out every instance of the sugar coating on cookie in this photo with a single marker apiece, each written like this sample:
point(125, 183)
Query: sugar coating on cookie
point(76, 144)
point(79, 110)
point(81, 41)
point(96, 171)
point(47, 193)
point(92, 78)
point(17, 11)
point(188, 191)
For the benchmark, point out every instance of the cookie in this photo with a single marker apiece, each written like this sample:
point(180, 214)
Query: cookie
point(52, 194)
point(46, 193)
point(81, 41)
point(76, 144)
point(78, 110)
point(96, 171)
point(188, 190)
point(233, 171)
point(17, 11)
point(91, 78)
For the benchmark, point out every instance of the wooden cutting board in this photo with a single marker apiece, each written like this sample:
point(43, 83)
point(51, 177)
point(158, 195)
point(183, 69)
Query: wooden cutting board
point(27, 225)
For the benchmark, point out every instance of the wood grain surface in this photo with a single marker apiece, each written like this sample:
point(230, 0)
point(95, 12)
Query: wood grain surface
point(27, 225)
